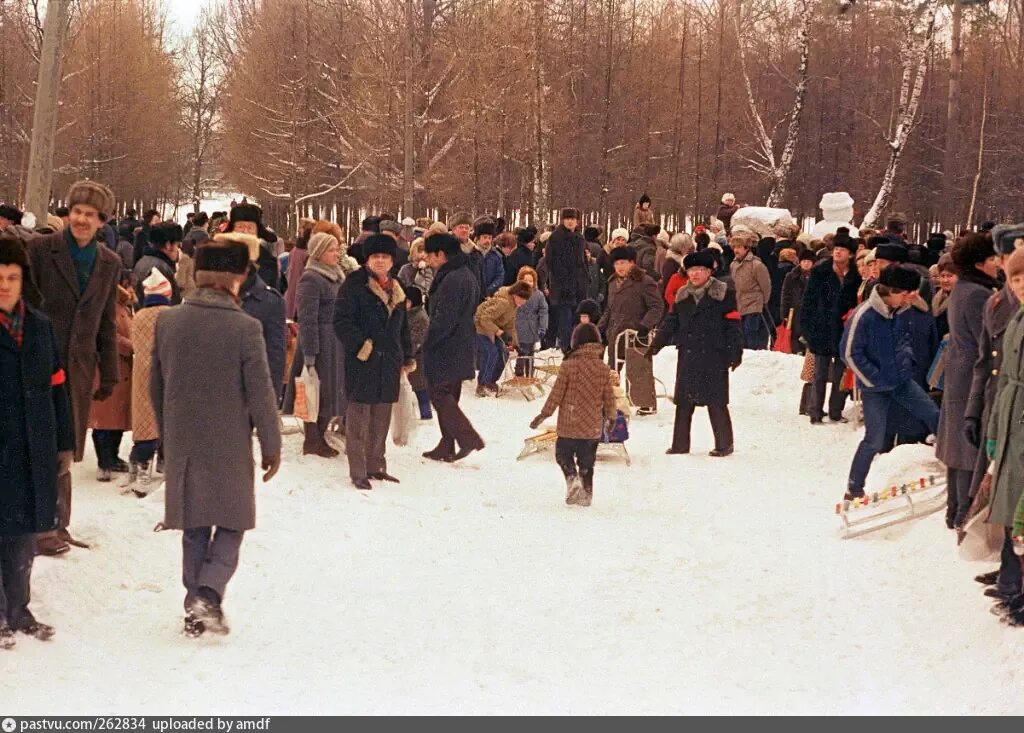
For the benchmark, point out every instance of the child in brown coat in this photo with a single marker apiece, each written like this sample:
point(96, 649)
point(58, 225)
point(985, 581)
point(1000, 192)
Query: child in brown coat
point(585, 399)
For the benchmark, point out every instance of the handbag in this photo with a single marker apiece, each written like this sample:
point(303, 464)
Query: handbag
point(807, 372)
point(403, 414)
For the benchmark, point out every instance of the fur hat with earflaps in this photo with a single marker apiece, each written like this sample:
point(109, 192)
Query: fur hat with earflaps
point(624, 252)
point(245, 212)
point(223, 256)
point(973, 250)
point(380, 244)
point(703, 258)
point(156, 284)
point(91, 193)
point(251, 242)
point(442, 242)
point(570, 213)
point(898, 277)
point(461, 217)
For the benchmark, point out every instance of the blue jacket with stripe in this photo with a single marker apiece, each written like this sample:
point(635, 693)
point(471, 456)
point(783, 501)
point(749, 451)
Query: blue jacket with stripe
point(877, 345)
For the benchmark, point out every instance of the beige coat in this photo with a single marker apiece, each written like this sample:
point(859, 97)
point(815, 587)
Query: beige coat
point(143, 419)
point(497, 313)
point(753, 284)
point(115, 413)
point(185, 275)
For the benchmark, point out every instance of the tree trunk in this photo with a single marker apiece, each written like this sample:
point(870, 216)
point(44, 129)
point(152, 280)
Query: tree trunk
point(408, 131)
point(780, 177)
point(44, 117)
point(981, 149)
point(718, 102)
point(678, 206)
point(956, 63)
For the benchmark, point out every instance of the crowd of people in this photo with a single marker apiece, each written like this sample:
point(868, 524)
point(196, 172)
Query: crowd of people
point(105, 322)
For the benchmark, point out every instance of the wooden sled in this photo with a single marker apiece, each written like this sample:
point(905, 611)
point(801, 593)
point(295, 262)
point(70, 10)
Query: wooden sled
point(546, 441)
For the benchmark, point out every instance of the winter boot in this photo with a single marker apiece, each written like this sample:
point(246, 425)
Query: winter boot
point(120, 466)
point(104, 475)
point(207, 610)
point(143, 483)
point(573, 489)
point(585, 497)
point(194, 628)
point(383, 476)
point(721, 452)
point(481, 390)
point(7, 639)
point(988, 578)
point(314, 444)
point(42, 632)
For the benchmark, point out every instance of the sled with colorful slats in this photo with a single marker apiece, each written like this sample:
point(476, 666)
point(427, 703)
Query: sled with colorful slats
point(892, 506)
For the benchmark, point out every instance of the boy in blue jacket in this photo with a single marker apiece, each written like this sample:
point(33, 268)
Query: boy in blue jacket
point(877, 345)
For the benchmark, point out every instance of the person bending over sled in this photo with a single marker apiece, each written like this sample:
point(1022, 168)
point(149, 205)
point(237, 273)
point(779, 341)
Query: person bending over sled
point(585, 399)
point(877, 346)
point(704, 325)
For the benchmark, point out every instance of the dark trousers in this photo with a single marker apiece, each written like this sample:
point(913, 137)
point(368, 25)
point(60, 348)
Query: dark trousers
point(827, 369)
point(16, 554)
point(209, 560)
point(563, 316)
point(958, 495)
point(366, 433)
point(576, 457)
point(524, 360)
point(490, 359)
point(423, 399)
point(143, 451)
point(806, 397)
point(908, 395)
point(721, 425)
point(755, 332)
point(455, 426)
point(107, 444)
point(1009, 580)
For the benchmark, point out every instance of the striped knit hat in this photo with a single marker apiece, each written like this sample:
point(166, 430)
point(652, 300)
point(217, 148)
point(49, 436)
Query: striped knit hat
point(156, 284)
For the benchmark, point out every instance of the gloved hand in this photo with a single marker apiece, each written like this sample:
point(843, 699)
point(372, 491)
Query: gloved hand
point(736, 361)
point(990, 448)
point(535, 422)
point(643, 333)
point(64, 460)
point(270, 465)
point(540, 336)
point(506, 338)
point(103, 393)
point(972, 431)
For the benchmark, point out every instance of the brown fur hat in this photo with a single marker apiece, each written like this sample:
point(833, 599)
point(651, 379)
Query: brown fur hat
point(91, 193)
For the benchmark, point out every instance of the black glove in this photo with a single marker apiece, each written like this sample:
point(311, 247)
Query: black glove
point(103, 393)
point(535, 422)
point(972, 431)
point(270, 465)
point(506, 338)
point(736, 362)
point(642, 333)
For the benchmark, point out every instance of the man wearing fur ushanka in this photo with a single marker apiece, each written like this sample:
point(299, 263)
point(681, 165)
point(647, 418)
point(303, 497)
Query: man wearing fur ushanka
point(206, 426)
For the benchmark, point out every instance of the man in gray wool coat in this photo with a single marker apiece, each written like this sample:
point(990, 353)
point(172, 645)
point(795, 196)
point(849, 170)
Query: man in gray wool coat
point(206, 426)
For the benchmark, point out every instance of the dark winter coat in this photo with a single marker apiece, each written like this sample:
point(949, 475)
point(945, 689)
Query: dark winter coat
point(448, 350)
point(35, 425)
point(164, 265)
point(85, 324)
point(266, 305)
point(877, 345)
point(269, 267)
point(646, 252)
point(725, 214)
point(419, 324)
point(371, 324)
point(966, 310)
point(315, 303)
point(521, 257)
point(924, 342)
point(634, 302)
point(709, 340)
point(193, 239)
point(206, 424)
point(566, 266)
point(793, 300)
point(490, 267)
point(940, 309)
point(826, 302)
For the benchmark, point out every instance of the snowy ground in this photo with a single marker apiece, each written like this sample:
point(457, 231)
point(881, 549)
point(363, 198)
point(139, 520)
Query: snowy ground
point(692, 585)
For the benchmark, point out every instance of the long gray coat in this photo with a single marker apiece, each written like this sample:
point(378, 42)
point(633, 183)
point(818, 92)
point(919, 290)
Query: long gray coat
point(1005, 427)
point(999, 310)
point(314, 301)
point(532, 319)
point(966, 307)
point(84, 323)
point(206, 424)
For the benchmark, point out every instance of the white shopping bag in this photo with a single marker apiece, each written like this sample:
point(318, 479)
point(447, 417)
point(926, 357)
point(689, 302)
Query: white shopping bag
point(404, 414)
point(307, 396)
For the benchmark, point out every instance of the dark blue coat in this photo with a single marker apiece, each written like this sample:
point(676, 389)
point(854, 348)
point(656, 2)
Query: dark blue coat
point(375, 337)
point(448, 350)
point(924, 342)
point(878, 346)
point(826, 300)
point(35, 424)
point(266, 305)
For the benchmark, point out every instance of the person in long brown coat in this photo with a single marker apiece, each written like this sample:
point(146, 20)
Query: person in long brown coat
point(109, 419)
point(78, 280)
point(634, 302)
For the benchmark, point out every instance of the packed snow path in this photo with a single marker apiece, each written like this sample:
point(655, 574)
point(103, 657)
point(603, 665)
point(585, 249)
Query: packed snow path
point(692, 585)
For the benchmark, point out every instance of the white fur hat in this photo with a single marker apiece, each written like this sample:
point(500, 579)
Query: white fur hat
point(620, 232)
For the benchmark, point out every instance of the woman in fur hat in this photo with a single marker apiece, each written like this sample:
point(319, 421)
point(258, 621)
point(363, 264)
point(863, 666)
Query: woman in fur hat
point(321, 353)
point(977, 265)
point(704, 326)
point(109, 419)
point(642, 212)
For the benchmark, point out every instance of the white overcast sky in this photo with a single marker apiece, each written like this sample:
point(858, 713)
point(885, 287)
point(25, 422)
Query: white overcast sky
point(183, 13)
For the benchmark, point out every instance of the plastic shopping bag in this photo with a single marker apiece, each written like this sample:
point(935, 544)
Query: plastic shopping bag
point(307, 396)
point(404, 415)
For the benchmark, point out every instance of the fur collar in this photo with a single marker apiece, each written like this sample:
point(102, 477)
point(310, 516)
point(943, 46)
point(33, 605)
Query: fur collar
point(919, 304)
point(397, 297)
point(875, 302)
point(587, 351)
point(715, 289)
point(678, 257)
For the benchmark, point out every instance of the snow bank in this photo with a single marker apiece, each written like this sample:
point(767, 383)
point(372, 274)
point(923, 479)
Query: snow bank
point(692, 585)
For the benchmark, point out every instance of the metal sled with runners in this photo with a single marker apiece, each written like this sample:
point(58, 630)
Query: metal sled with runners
point(894, 505)
point(629, 351)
